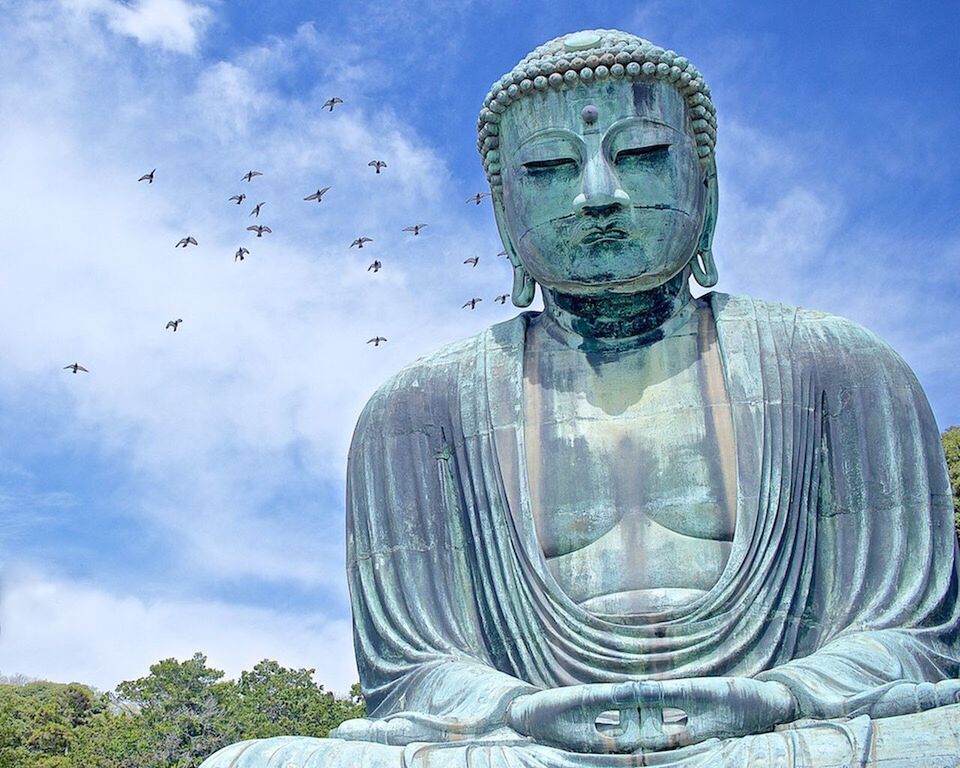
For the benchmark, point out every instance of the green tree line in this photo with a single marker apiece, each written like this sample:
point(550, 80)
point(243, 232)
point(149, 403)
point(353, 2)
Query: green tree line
point(951, 447)
point(174, 717)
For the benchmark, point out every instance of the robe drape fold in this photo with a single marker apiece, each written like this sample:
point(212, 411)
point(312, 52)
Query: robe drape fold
point(841, 581)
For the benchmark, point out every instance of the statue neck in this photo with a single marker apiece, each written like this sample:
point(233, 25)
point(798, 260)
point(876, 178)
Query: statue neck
point(617, 321)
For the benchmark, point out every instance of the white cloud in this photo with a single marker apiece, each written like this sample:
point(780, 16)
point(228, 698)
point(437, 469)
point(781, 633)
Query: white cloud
point(67, 631)
point(173, 25)
point(232, 433)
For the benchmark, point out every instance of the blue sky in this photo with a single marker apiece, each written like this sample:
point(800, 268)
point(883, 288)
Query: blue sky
point(188, 493)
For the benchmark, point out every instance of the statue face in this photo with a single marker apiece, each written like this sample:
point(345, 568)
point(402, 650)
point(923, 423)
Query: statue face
point(602, 187)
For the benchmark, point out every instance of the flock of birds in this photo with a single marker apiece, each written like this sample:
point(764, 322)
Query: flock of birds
point(261, 229)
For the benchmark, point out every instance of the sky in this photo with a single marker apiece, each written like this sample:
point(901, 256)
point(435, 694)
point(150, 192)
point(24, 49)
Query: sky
point(187, 494)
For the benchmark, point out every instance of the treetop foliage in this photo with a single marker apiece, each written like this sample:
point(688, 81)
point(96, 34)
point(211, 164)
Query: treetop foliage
point(174, 717)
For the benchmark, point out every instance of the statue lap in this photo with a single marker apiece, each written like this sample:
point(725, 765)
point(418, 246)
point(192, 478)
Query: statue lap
point(929, 739)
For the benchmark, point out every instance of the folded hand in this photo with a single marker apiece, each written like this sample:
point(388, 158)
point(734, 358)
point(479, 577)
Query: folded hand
point(650, 715)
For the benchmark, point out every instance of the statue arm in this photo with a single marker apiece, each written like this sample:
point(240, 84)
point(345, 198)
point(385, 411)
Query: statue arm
point(420, 647)
point(882, 612)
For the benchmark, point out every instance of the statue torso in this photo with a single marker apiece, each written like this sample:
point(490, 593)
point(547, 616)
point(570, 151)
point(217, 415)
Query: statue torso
point(631, 466)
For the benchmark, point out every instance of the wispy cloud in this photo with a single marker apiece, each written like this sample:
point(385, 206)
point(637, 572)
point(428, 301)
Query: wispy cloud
point(173, 25)
point(251, 404)
point(117, 636)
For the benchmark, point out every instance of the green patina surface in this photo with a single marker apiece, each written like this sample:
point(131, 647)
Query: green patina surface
point(641, 527)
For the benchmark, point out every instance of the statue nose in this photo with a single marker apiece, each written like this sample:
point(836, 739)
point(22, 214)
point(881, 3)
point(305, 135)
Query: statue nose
point(600, 194)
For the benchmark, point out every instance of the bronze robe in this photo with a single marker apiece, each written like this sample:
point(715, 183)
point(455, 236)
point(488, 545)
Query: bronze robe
point(841, 581)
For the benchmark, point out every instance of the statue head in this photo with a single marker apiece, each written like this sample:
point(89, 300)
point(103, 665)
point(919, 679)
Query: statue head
point(598, 147)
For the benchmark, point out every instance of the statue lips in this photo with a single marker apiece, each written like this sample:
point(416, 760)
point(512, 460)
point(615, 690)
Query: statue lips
point(595, 235)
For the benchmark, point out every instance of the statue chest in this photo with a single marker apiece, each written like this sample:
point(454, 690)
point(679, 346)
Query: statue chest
point(631, 470)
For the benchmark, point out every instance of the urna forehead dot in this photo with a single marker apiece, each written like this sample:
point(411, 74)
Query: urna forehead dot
point(589, 114)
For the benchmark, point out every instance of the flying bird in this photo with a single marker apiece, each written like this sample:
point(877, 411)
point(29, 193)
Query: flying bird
point(256, 210)
point(148, 177)
point(260, 229)
point(472, 261)
point(331, 103)
point(503, 253)
point(360, 241)
point(376, 266)
point(502, 298)
point(248, 176)
point(377, 340)
point(185, 241)
point(415, 228)
point(318, 195)
point(239, 255)
point(378, 164)
point(174, 324)
point(472, 303)
point(76, 367)
point(238, 198)
point(478, 197)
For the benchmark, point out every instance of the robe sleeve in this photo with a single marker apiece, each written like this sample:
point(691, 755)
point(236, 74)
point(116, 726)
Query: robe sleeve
point(417, 634)
point(883, 609)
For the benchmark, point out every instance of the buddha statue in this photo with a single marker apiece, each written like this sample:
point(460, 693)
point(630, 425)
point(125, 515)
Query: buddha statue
point(641, 527)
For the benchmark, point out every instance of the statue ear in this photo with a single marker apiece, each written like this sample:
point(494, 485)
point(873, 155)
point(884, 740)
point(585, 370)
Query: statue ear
point(702, 265)
point(524, 286)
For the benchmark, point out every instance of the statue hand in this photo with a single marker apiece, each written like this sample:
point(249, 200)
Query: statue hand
point(675, 713)
point(652, 715)
point(566, 717)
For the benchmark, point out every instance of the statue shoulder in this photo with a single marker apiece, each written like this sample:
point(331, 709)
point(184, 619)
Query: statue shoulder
point(838, 347)
point(427, 391)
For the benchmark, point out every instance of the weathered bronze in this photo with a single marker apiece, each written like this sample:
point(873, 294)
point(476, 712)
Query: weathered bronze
point(641, 528)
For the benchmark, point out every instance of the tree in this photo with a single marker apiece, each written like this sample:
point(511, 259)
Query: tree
point(39, 722)
point(182, 712)
point(951, 447)
point(174, 717)
point(275, 701)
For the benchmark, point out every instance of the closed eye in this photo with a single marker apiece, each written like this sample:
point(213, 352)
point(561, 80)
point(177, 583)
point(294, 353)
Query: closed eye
point(555, 162)
point(651, 151)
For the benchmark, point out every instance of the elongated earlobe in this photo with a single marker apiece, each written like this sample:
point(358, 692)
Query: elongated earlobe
point(704, 268)
point(524, 286)
point(702, 265)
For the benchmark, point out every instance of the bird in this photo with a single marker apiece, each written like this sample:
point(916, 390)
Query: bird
point(472, 261)
point(472, 303)
point(478, 197)
point(174, 324)
point(260, 229)
point(241, 252)
point(376, 266)
point(76, 367)
point(148, 177)
point(502, 298)
point(415, 228)
point(331, 103)
point(360, 241)
point(248, 176)
point(377, 340)
point(318, 195)
point(238, 198)
point(256, 210)
point(185, 241)
point(504, 253)
point(378, 164)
